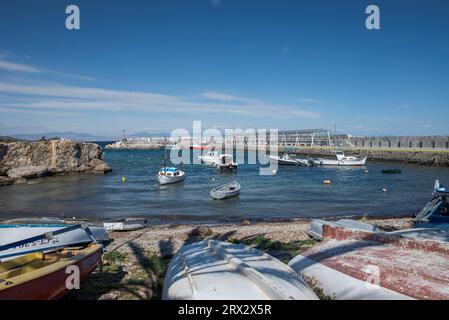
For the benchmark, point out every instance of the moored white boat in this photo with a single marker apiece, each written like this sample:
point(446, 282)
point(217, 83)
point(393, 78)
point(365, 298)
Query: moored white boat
point(342, 160)
point(285, 160)
point(226, 191)
point(211, 157)
point(211, 270)
point(170, 175)
point(226, 163)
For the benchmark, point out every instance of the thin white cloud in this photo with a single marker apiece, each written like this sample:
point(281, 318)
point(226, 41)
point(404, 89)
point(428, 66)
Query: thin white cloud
point(87, 98)
point(309, 100)
point(11, 66)
point(18, 67)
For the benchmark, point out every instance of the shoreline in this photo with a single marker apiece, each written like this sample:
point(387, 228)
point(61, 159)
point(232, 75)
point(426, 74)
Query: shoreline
point(134, 263)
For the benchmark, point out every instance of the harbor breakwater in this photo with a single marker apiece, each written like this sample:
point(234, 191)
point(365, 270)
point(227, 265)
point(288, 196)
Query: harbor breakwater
point(22, 160)
point(418, 156)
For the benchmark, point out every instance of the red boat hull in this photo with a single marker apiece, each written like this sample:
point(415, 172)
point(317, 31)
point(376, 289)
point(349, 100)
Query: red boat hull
point(52, 285)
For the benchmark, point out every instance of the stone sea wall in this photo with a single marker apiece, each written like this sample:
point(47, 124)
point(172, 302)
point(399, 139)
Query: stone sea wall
point(22, 160)
point(425, 157)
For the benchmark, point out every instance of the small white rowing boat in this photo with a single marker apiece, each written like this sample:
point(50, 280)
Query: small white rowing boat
point(226, 191)
point(211, 270)
point(127, 224)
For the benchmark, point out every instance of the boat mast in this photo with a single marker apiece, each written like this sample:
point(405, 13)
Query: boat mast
point(165, 155)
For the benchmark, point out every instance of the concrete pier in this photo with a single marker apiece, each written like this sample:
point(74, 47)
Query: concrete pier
point(433, 157)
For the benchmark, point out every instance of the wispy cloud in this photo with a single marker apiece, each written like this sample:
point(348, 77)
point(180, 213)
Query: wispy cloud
point(24, 68)
point(11, 66)
point(60, 97)
point(309, 100)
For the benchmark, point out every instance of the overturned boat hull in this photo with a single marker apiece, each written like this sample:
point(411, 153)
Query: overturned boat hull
point(354, 264)
point(10, 233)
point(211, 270)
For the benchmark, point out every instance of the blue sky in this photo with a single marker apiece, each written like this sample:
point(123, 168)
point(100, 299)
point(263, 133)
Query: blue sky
point(159, 65)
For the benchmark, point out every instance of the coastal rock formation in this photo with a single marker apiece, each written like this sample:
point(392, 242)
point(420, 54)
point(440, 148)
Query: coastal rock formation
point(21, 160)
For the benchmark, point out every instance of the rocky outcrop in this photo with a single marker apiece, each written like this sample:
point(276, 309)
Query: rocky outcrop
point(21, 160)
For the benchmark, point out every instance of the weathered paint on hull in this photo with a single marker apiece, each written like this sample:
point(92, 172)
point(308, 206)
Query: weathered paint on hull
point(412, 267)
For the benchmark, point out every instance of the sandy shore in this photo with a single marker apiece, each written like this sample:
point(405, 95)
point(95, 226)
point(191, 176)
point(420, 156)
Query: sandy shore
point(135, 262)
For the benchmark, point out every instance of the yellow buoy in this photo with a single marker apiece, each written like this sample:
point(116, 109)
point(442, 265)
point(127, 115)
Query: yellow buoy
point(327, 181)
point(123, 179)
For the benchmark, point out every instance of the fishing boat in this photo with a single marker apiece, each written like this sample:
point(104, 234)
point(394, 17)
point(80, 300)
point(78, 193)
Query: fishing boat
point(316, 226)
point(211, 157)
point(127, 224)
point(43, 276)
point(226, 163)
point(169, 175)
point(226, 191)
point(355, 264)
point(56, 237)
point(285, 160)
point(211, 270)
point(342, 160)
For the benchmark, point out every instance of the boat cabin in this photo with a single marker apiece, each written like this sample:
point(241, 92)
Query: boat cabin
point(170, 172)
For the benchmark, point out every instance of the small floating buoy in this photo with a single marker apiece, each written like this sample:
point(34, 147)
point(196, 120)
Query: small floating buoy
point(213, 179)
point(384, 190)
point(327, 181)
point(366, 171)
point(123, 179)
point(73, 218)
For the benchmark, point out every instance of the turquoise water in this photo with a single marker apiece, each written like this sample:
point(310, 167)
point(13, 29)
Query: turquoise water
point(294, 192)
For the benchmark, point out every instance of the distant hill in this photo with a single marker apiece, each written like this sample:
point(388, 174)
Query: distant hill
point(79, 136)
point(147, 134)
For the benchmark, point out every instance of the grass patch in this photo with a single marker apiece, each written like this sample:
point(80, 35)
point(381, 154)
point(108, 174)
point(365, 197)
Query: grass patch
point(314, 285)
point(115, 257)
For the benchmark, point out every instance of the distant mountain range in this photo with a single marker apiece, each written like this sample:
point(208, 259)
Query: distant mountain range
point(80, 136)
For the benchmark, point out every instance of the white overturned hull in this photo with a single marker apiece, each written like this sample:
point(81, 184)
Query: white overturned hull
point(340, 286)
point(164, 180)
point(13, 233)
point(211, 270)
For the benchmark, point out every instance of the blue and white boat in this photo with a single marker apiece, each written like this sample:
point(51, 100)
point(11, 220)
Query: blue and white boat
point(170, 175)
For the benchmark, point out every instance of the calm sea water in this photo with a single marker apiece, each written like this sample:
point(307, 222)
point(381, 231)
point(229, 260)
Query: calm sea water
point(294, 192)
